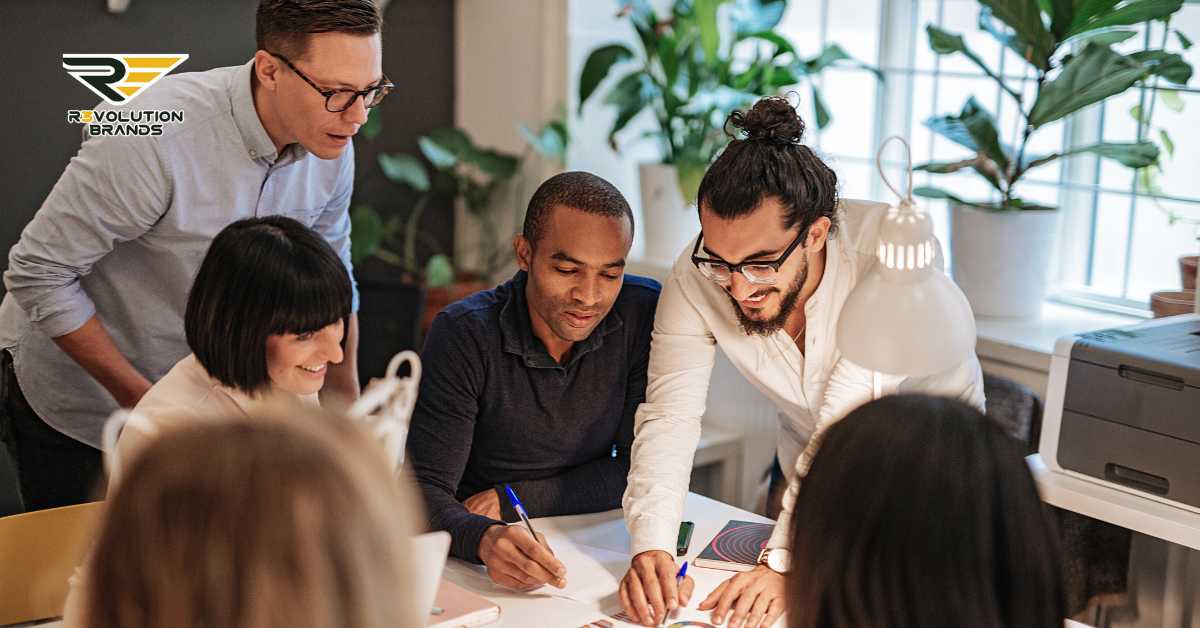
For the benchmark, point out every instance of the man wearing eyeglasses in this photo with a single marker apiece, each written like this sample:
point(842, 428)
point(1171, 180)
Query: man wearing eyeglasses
point(98, 282)
point(765, 281)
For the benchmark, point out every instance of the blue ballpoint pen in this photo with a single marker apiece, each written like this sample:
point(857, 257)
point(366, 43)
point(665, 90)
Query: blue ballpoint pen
point(678, 583)
point(516, 504)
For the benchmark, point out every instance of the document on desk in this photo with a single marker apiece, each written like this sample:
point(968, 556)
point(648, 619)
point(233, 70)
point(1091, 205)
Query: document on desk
point(593, 573)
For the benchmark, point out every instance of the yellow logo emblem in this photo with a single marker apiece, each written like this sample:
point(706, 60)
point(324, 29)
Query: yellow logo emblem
point(118, 78)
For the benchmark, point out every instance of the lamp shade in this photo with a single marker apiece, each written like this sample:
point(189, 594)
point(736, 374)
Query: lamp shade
point(906, 317)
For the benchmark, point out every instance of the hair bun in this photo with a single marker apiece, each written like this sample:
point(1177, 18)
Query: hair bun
point(771, 119)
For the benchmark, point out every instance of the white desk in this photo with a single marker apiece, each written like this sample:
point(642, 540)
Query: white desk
point(605, 531)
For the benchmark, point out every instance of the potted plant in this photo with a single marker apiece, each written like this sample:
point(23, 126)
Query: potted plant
point(458, 170)
point(383, 247)
point(686, 73)
point(1001, 249)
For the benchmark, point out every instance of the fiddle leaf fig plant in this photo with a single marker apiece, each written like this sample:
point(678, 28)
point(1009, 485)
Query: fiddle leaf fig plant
point(686, 73)
point(1067, 46)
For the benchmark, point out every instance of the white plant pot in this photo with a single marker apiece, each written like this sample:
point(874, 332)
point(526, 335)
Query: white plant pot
point(668, 222)
point(1002, 260)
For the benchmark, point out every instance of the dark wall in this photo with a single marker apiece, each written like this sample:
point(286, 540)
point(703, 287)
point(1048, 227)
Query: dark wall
point(38, 142)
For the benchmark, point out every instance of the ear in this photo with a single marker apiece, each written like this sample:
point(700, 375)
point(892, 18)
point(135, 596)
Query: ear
point(267, 69)
point(818, 234)
point(523, 251)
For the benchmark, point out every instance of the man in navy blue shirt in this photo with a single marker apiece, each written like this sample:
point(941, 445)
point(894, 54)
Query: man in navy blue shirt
point(535, 383)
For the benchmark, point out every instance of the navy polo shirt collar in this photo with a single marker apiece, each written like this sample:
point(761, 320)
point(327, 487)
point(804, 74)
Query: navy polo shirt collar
point(516, 330)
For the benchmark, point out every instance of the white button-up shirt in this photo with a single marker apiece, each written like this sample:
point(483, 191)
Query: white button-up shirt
point(811, 389)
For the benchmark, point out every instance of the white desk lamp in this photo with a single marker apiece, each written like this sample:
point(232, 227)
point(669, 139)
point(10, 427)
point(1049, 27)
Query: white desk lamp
point(906, 317)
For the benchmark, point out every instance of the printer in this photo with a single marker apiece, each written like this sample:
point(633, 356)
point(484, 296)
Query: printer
point(1123, 409)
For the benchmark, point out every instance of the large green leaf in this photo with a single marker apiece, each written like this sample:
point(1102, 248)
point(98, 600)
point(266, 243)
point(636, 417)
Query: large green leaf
point(1127, 13)
point(499, 166)
point(596, 68)
point(973, 128)
point(1105, 36)
point(927, 191)
point(706, 20)
point(437, 154)
point(782, 45)
point(756, 16)
point(550, 141)
point(944, 42)
point(404, 169)
point(1014, 204)
point(447, 148)
point(830, 55)
point(1131, 154)
point(1183, 40)
point(633, 93)
point(668, 58)
point(1087, 78)
point(1165, 64)
point(1062, 12)
point(820, 109)
point(944, 167)
point(1025, 18)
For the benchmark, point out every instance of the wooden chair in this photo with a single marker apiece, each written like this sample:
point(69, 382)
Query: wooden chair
point(38, 552)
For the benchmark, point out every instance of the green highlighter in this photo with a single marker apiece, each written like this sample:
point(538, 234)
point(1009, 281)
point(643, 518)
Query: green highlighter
point(685, 538)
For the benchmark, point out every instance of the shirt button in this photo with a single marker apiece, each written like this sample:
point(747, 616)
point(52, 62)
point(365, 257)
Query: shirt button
point(253, 153)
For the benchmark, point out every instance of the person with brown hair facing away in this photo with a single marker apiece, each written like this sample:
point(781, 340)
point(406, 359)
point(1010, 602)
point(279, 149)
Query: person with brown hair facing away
point(919, 512)
point(293, 520)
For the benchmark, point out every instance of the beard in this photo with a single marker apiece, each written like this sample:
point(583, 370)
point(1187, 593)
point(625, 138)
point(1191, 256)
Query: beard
point(756, 327)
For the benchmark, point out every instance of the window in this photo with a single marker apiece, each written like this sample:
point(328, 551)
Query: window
point(1117, 244)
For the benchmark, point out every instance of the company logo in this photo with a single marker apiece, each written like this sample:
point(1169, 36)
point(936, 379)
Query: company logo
point(119, 78)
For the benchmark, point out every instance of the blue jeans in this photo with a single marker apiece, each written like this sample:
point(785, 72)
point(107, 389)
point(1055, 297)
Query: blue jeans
point(53, 469)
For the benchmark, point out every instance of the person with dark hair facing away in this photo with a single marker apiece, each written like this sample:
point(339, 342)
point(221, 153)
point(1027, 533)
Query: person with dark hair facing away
point(98, 281)
point(266, 318)
point(919, 512)
point(535, 383)
point(765, 280)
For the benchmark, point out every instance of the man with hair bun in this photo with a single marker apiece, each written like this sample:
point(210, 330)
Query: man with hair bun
point(765, 280)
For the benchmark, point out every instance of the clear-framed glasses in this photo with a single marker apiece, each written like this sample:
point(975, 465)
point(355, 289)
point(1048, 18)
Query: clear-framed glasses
point(339, 100)
point(757, 272)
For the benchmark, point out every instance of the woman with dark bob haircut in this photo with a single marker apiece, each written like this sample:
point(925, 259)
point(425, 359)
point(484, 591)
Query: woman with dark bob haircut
point(920, 512)
point(265, 317)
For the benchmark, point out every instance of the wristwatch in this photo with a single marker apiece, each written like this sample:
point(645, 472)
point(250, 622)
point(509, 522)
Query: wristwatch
point(776, 559)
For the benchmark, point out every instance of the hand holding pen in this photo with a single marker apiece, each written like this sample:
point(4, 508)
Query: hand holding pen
point(517, 557)
point(679, 578)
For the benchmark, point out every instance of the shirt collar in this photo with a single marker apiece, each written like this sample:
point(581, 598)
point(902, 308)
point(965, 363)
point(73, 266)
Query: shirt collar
point(829, 275)
point(257, 142)
point(517, 337)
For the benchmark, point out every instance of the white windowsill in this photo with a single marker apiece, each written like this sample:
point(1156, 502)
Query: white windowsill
point(1029, 342)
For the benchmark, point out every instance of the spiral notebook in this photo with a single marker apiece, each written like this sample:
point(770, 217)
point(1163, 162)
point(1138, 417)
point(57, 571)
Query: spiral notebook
point(736, 547)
